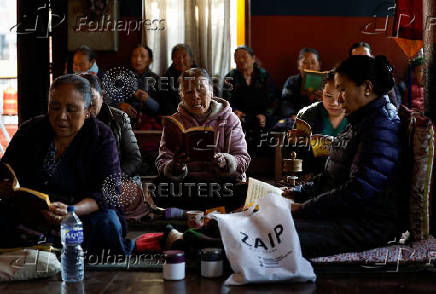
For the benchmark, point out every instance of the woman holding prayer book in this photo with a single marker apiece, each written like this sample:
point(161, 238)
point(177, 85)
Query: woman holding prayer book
point(326, 117)
point(356, 202)
point(68, 154)
point(228, 160)
point(294, 97)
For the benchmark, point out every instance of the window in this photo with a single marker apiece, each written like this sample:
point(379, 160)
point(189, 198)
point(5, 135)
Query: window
point(209, 27)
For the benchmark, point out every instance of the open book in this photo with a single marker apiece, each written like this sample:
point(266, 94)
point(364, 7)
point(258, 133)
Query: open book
point(313, 80)
point(258, 189)
point(320, 143)
point(197, 142)
point(34, 199)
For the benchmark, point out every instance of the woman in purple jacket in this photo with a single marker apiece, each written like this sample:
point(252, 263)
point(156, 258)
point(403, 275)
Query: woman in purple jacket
point(67, 154)
point(199, 108)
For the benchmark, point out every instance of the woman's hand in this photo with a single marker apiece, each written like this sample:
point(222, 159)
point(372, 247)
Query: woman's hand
point(141, 95)
point(58, 208)
point(56, 213)
point(178, 163)
point(261, 120)
point(296, 208)
point(129, 109)
point(220, 161)
point(288, 193)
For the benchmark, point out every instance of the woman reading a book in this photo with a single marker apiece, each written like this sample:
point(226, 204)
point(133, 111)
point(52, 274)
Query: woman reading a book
point(294, 96)
point(68, 154)
point(326, 117)
point(356, 203)
point(215, 155)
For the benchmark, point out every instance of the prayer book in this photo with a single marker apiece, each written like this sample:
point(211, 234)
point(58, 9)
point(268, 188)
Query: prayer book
point(313, 80)
point(302, 133)
point(34, 199)
point(197, 142)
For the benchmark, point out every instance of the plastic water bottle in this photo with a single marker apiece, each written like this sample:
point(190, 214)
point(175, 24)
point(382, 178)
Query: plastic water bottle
point(72, 258)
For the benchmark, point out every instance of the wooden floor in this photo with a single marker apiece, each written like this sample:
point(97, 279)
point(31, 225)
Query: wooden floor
point(143, 282)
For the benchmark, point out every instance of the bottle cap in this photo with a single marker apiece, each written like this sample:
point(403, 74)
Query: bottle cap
point(70, 208)
point(174, 256)
point(211, 254)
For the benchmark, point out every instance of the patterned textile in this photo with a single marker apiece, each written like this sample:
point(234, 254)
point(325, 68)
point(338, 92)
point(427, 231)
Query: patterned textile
point(421, 155)
point(423, 251)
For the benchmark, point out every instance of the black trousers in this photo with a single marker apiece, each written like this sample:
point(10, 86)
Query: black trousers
point(319, 237)
point(325, 237)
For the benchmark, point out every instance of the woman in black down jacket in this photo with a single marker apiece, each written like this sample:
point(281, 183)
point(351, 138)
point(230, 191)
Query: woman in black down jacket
point(354, 205)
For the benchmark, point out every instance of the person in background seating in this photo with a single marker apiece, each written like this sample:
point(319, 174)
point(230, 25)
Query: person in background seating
point(417, 101)
point(85, 60)
point(119, 122)
point(128, 150)
point(182, 60)
point(360, 48)
point(143, 106)
point(251, 94)
point(294, 97)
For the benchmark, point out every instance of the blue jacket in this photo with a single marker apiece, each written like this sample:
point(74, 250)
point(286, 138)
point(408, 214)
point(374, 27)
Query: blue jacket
point(361, 178)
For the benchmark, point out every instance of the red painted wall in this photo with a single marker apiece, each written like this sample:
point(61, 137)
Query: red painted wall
point(276, 41)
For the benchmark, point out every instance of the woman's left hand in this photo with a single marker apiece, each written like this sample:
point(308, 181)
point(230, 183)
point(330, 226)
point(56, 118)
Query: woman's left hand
point(220, 160)
point(141, 95)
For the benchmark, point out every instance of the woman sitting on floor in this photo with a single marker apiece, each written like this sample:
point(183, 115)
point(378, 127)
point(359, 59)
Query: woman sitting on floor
point(128, 150)
point(199, 108)
point(68, 154)
point(326, 117)
point(354, 205)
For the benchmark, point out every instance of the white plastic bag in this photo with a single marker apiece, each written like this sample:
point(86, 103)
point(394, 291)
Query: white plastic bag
point(263, 246)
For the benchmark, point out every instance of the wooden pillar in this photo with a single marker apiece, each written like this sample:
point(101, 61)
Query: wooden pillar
point(429, 12)
point(32, 58)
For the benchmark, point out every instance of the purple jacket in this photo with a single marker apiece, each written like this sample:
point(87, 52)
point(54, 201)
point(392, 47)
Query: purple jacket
point(230, 141)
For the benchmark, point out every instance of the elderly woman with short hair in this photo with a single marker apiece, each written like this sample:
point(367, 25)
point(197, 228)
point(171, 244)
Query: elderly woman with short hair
point(68, 154)
point(182, 59)
point(198, 107)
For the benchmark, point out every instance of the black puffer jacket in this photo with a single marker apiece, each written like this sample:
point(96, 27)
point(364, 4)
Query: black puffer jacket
point(362, 175)
point(119, 122)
